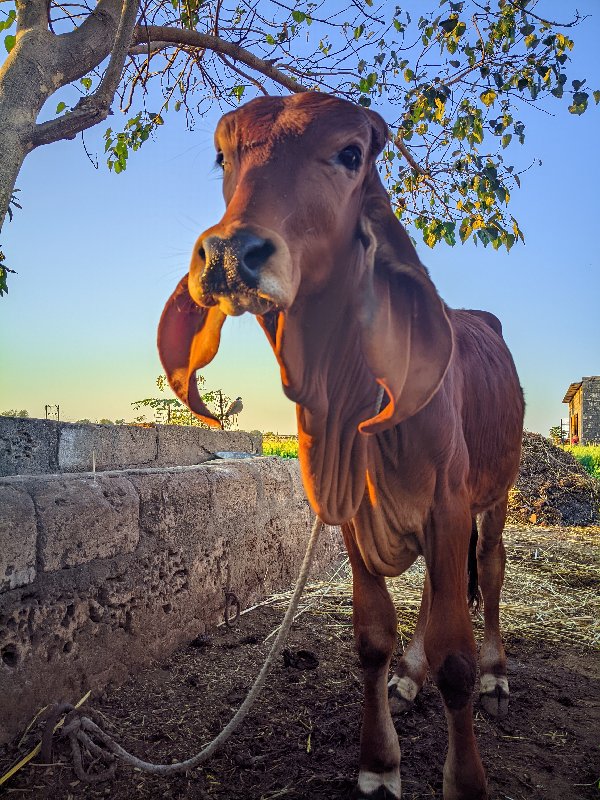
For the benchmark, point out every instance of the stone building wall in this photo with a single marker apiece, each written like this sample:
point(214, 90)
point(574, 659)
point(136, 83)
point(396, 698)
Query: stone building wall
point(590, 390)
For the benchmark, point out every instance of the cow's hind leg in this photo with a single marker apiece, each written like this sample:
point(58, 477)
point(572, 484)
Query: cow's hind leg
point(374, 619)
point(411, 671)
point(491, 558)
point(450, 650)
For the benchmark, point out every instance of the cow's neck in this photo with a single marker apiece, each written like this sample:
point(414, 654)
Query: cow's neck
point(334, 391)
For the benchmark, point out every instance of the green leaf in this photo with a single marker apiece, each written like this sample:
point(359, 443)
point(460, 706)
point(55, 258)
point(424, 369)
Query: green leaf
point(9, 21)
point(358, 32)
point(9, 42)
point(60, 107)
point(488, 97)
point(86, 83)
point(298, 16)
point(506, 139)
point(448, 25)
point(597, 97)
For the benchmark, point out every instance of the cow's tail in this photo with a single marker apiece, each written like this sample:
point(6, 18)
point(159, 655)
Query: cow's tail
point(473, 593)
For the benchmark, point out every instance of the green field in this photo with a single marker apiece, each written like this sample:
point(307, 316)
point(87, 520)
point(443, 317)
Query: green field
point(283, 446)
point(588, 455)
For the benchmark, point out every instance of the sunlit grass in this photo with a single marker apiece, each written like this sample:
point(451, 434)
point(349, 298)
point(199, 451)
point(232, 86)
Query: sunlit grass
point(283, 446)
point(588, 455)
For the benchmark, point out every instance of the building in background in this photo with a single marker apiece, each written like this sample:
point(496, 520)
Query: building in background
point(583, 398)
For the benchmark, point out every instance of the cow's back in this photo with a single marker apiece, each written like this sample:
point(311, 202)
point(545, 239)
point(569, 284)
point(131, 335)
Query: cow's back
point(492, 405)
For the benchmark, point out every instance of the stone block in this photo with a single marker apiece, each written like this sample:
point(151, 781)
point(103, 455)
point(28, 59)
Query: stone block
point(18, 535)
point(111, 446)
point(28, 446)
point(185, 446)
point(81, 519)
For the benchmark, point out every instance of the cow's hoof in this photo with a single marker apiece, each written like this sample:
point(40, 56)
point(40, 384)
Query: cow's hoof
point(377, 786)
point(379, 794)
point(494, 695)
point(401, 694)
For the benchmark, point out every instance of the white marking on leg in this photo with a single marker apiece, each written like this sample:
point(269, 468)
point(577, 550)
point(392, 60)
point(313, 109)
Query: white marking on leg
point(489, 682)
point(369, 782)
point(406, 686)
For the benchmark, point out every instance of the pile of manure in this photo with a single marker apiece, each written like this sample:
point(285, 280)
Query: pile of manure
point(552, 487)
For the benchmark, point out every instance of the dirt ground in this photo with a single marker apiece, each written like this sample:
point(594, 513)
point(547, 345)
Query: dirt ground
point(300, 742)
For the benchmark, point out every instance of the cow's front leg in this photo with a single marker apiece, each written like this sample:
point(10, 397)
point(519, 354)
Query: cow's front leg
point(450, 651)
point(374, 619)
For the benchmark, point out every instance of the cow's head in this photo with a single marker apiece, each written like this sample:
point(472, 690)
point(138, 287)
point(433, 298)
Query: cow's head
point(310, 244)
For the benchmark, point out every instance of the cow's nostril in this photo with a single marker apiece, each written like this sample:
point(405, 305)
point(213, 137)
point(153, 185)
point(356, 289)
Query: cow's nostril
point(253, 255)
point(256, 257)
point(202, 253)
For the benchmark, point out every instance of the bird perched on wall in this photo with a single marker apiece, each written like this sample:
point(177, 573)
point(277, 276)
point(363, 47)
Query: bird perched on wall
point(235, 408)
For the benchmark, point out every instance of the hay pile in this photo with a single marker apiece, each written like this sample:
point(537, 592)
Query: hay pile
point(552, 487)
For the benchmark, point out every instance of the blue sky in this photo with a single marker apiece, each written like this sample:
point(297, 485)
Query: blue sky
point(98, 254)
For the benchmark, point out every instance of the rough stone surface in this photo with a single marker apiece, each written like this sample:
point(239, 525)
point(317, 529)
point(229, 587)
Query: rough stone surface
point(158, 548)
point(84, 518)
point(28, 446)
point(191, 445)
point(18, 536)
point(37, 446)
point(83, 447)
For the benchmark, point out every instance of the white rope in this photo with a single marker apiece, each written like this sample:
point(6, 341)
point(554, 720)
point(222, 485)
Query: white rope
point(81, 729)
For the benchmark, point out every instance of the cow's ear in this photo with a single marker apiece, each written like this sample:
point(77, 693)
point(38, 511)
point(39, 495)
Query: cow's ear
point(188, 339)
point(406, 335)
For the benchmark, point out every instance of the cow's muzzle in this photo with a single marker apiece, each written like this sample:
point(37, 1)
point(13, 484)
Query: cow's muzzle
point(244, 271)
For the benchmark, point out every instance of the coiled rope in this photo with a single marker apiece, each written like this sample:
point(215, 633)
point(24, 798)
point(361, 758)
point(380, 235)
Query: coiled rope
point(84, 733)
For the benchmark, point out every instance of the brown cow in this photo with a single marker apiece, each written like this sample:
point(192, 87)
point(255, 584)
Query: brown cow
point(309, 243)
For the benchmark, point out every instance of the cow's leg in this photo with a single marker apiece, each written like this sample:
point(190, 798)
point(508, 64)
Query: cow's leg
point(451, 653)
point(412, 667)
point(374, 619)
point(491, 558)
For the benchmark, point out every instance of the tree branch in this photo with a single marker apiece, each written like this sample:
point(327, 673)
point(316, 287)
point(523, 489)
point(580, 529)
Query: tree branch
point(95, 107)
point(407, 155)
point(31, 14)
point(161, 34)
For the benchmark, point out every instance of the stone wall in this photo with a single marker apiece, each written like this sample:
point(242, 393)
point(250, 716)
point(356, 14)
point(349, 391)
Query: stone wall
point(102, 574)
point(590, 390)
point(33, 446)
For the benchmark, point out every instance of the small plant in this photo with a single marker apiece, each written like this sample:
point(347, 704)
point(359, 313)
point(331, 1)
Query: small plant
point(171, 411)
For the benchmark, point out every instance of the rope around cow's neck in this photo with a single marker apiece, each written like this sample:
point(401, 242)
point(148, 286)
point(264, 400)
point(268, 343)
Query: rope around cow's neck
point(82, 730)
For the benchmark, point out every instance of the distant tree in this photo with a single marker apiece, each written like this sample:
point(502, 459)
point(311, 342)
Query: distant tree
point(556, 434)
point(170, 411)
point(12, 412)
point(457, 77)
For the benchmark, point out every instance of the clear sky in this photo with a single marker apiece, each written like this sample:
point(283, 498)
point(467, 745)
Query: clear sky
point(98, 254)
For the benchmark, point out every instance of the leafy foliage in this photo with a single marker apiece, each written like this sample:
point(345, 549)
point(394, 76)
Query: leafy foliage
point(171, 411)
point(453, 81)
point(456, 79)
point(13, 412)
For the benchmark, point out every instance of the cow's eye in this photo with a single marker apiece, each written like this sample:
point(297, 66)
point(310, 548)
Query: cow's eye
point(351, 157)
point(220, 160)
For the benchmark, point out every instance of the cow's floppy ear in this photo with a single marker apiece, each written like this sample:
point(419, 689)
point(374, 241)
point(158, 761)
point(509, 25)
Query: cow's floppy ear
point(406, 336)
point(188, 339)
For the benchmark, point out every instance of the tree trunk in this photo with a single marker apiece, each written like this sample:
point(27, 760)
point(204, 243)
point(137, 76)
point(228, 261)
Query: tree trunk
point(24, 87)
point(39, 64)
